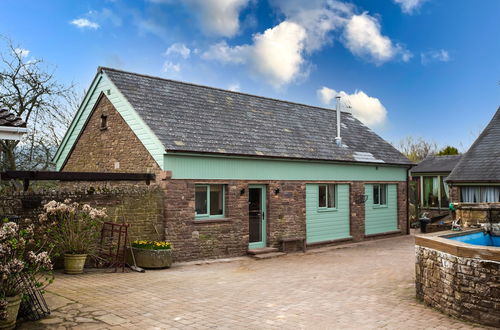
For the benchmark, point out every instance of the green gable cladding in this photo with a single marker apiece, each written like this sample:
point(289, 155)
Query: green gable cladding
point(102, 84)
point(381, 219)
point(330, 224)
point(241, 168)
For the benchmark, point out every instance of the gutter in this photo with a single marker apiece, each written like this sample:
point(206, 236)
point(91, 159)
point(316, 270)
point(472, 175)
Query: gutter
point(12, 133)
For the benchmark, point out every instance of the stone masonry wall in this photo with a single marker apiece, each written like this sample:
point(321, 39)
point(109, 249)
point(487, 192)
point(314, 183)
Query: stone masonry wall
point(141, 207)
point(465, 288)
point(113, 149)
point(228, 237)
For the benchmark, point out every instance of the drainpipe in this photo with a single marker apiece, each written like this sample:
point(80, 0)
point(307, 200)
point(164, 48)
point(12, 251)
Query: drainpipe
point(408, 203)
point(338, 139)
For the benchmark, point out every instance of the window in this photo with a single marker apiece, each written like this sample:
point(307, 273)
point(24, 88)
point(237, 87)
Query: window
point(476, 194)
point(435, 191)
point(104, 122)
point(326, 196)
point(209, 201)
point(380, 194)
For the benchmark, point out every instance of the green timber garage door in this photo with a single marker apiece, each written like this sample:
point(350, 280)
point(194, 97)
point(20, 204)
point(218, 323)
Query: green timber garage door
point(381, 209)
point(327, 212)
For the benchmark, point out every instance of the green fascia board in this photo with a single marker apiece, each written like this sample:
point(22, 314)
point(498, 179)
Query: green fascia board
point(102, 84)
point(212, 167)
point(380, 219)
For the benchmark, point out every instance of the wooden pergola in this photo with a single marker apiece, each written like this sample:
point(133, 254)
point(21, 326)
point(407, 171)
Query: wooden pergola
point(28, 176)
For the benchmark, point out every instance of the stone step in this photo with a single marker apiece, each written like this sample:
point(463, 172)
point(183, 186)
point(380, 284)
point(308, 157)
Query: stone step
point(268, 255)
point(262, 250)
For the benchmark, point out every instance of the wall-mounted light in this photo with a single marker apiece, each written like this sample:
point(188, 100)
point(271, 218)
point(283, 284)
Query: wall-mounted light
point(276, 191)
point(242, 192)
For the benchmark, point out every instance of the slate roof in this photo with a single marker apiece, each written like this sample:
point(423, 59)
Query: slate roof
point(199, 119)
point(10, 120)
point(481, 163)
point(436, 164)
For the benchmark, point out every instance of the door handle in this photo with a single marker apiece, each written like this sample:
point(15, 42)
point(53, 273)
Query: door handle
point(263, 215)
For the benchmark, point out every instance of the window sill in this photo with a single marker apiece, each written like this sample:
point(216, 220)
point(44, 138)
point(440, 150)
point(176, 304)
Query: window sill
point(211, 220)
point(327, 210)
point(379, 206)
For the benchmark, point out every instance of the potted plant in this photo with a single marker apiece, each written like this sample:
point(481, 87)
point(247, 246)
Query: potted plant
point(75, 233)
point(151, 254)
point(18, 256)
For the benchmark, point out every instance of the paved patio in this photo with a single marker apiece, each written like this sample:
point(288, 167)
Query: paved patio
point(365, 286)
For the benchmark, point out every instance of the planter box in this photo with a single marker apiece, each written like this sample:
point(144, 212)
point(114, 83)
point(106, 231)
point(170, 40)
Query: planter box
point(152, 259)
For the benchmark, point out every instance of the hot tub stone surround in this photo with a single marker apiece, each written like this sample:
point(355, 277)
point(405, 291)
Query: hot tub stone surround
point(466, 288)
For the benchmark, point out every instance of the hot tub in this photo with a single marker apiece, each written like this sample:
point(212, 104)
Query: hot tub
point(459, 274)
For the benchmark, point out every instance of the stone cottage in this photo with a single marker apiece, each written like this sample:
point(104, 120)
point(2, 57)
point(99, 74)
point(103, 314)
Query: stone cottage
point(475, 180)
point(240, 172)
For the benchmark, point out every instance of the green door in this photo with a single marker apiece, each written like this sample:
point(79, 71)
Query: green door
point(256, 216)
point(381, 208)
point(327, 212)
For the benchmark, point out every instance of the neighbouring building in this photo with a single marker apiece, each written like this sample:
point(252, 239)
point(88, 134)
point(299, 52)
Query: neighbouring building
point(240, 171)
point(12, 127)
point(430, 175)
point(475, 180)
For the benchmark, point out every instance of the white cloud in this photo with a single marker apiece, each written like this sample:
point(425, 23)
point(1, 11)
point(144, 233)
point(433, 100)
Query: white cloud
point(169, 67)
point(219, 17)
point(235, 87)
point(83, 23)
point(434, 56)
point(409, 6)
point(369, 110)
point(179, 49)
point(276, 54)
point(363, 38)
point(21, 52)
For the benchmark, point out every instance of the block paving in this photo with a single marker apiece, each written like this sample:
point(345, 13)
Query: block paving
point(368, 285)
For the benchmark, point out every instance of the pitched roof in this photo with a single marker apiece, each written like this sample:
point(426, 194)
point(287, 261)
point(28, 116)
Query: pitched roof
point(481, 163)
point(192, 118)
point(436, 164)
point(10, 120)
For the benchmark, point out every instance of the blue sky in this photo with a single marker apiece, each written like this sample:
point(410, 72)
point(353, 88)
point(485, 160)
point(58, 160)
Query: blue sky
point(427, 68)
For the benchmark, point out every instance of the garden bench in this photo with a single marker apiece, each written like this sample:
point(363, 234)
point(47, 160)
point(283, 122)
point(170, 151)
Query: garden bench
point(301, 240)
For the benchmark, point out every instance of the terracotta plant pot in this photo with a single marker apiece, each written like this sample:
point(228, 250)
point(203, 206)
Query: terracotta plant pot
point(74, 263)
point(145, 258)
point(13, 304)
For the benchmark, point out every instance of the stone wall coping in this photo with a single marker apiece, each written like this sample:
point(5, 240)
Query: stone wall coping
point(439, 241)
point(477, 206)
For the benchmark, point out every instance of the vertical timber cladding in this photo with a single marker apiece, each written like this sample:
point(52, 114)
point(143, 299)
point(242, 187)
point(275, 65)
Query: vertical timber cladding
point(327, 225)
point(381, 219)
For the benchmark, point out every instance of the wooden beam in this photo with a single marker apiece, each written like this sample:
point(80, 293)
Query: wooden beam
point(26, 176)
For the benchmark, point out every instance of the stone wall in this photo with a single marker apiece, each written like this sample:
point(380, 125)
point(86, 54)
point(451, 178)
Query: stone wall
point(114, 148)
point(472, 214)
point(228, 237)
point(141, 207)
point(465, 288)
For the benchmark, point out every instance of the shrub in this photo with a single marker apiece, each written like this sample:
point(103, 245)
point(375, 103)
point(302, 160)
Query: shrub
point(19, 255)
point(75, 227)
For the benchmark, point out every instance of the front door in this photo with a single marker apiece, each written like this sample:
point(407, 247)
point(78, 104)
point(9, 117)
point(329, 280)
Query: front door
point(257, 216)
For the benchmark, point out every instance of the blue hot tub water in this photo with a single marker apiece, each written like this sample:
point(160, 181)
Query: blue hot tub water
point(479, 238)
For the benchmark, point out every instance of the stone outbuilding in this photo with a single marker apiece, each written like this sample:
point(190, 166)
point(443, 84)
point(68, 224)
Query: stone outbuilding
point(240, 172)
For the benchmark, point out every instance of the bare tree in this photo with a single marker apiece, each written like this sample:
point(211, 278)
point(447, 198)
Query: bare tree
point(416, 149)
point(29, 89)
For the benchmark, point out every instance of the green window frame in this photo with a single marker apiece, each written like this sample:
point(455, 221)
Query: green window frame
point(210, 201)
point(380, 195)
point(327, 197)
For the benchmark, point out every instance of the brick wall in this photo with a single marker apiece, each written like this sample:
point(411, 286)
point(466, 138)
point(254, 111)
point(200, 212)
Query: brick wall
point(357, 211)
point(142, 207)
point(114, 149)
